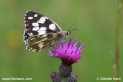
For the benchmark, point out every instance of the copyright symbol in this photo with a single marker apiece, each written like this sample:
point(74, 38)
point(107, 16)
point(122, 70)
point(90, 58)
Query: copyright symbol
point(97, 78)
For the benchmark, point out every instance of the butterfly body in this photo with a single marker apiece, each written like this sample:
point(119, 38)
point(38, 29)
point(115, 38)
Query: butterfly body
point(41, 32)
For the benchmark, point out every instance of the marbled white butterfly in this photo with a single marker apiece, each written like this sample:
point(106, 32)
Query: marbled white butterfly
point(41, 32)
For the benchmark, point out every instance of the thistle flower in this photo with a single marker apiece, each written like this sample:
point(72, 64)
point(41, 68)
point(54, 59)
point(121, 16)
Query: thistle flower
point(69, 53)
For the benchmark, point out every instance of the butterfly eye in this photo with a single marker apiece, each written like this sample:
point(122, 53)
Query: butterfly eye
point(68, 33)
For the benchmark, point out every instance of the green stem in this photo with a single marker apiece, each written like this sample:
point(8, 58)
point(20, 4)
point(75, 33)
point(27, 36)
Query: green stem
point(64, 79)
point(118, 24)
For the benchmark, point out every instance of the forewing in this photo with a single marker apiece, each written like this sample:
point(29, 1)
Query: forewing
point(38, 24)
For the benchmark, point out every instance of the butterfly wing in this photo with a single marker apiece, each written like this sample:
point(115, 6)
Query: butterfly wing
point(38, 24)
point(40, 32)
point(39, 42)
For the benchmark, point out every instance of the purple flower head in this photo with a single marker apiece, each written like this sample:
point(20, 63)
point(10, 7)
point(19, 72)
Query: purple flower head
point(69, 52)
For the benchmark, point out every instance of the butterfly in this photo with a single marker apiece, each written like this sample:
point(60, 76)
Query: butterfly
point(41, 32)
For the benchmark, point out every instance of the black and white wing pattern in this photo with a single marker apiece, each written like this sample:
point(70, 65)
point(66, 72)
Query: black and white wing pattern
point(41, 32)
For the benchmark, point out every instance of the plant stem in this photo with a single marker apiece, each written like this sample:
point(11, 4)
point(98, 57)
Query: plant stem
point(118, 24)
point(64, 79)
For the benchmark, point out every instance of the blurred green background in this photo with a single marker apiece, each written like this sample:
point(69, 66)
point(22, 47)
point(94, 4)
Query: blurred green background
point(96, 24)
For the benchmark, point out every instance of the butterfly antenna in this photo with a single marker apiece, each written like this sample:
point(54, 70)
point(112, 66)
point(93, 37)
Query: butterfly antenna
point(72, 30)
point(72, 26)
